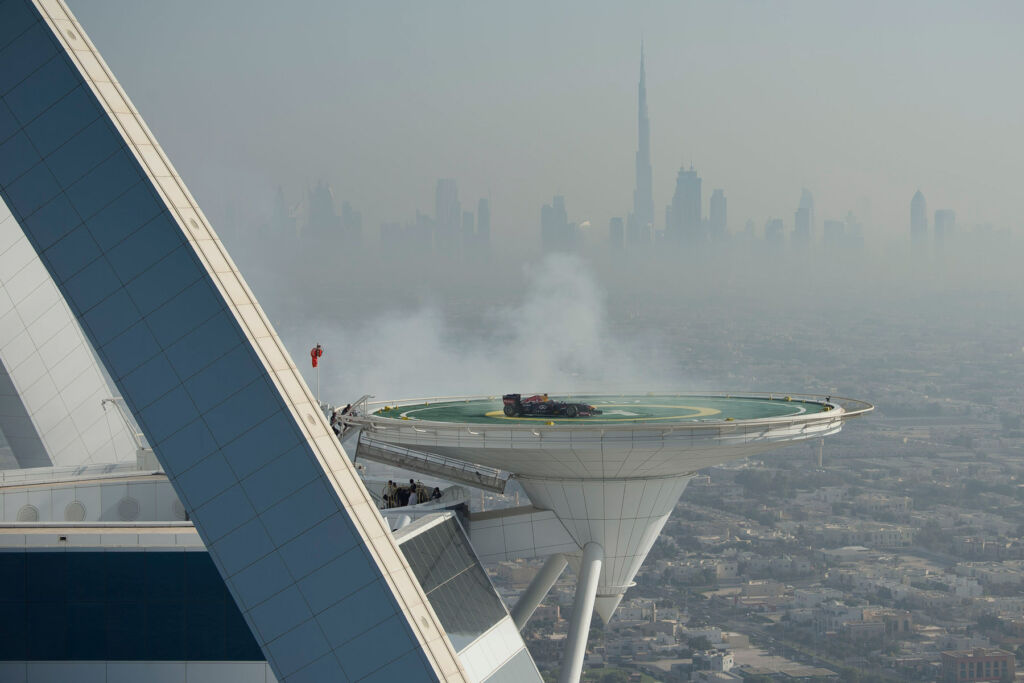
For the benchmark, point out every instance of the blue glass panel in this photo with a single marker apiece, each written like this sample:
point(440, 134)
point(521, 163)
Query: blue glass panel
point(71, 254)
point(126, 214)
point(87, 577)
point(14, 632)
point(103, 184)
point(167, 415)
point(239, 644)
point(110, 317)
point(326, 668)
point(165, 631)
point(165, 576)
point(207, 479)
point(260, 580)
point(301, 510)
point(320, 545)
point(204, 639)
point(31, 191)
point(47, 631)
point(372, 602)
point(15, 19)
point(47, 578)
point(144, 247)
point(8, 124)
point(243, 546)
point(280, 614)
point(84, 152)
point(244, 411)
point(126, 576)
point(267, 485)
point(207, 343)
point(165, 279)
point(12, 577)
point(161, 606)
point(298, 648)
point(263, 443)
point(17, 155)
point(202, 582)
point(129, 350)
point(150, 381)
point(376, 647)
point(126, 628)
point(225, 512)
point(189, 445)
point(59, 123)
point(323, 587)
point(41, 90)
point(412, 668)
point(87, 637)
point(51, 222)
point(25, 54)
point(227, 375)
point(185, 312)
point(91, 285)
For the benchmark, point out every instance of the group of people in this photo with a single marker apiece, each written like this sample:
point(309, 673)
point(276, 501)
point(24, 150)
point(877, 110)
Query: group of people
point(396, 496)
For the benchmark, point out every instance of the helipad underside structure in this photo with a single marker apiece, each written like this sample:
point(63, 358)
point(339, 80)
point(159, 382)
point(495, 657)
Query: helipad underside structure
point(611, 479)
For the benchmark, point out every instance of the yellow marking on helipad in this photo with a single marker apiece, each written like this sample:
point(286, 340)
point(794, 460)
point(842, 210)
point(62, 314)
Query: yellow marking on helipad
point(698, 411)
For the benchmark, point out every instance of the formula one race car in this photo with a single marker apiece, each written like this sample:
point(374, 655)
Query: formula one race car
point(540, 405)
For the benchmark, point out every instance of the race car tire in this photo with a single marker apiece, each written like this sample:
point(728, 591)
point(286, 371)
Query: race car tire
point(571, 411)
point(510, 411)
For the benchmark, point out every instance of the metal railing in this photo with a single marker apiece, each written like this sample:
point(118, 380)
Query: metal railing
point(463, 471)
point(848, 408)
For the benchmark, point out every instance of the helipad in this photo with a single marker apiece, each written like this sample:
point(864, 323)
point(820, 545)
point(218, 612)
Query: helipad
point(615, 409)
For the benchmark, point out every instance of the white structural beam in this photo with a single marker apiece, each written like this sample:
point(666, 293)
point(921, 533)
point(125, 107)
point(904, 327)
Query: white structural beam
point(538, 589)
point(582, 612)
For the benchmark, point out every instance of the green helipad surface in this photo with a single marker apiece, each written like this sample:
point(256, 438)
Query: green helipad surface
point(614, 410)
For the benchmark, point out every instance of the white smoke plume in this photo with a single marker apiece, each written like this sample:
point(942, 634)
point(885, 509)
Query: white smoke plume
point(557, 339)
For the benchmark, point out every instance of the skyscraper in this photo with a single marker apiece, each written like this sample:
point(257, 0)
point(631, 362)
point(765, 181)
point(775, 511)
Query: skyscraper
point(483, 222)
point(684, 215)
point(556, 231)
point(717, 215)
point(642, 218)
point(803, 220)
point(918, 219)
point(447, 216)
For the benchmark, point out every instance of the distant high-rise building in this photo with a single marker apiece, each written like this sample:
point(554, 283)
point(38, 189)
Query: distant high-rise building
point(616, 233)
point(803, 221)
point(774, 231)
point(351, 223)
point(945, 224)
point(717, 215)
point(833, 233)
point(556, 231)
point(447, 216)
point(322, 221)
point(685, 216)
point(641, 220)
point(854, 231)
point(483, 222)
point(918, 219)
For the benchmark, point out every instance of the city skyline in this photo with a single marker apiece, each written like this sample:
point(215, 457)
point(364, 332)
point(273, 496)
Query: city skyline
point(720, 95)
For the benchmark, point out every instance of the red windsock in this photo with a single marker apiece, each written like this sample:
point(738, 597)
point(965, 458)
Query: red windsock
point(315, 354)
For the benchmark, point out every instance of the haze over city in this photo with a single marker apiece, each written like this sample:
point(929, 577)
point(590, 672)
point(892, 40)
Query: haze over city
point(861, 103)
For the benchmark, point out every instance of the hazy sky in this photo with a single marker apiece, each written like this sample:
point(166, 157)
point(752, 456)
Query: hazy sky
point(862, 102)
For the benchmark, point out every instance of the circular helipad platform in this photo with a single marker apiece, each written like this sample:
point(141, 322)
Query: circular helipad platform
point(614, 410)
